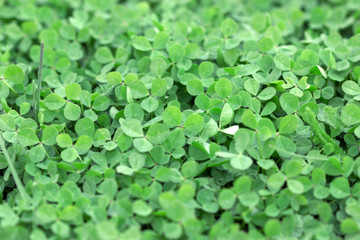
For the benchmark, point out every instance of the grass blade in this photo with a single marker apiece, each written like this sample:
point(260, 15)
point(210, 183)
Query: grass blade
point(10, 161)
point(38, 86)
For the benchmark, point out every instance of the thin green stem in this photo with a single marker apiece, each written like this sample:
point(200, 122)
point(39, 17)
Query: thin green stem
point(298, 155)
point(80, 158)
point(17, 180)
point(47, 155)
point(259, 143)
point(319, 132)
point(34, 98)
point(8, 85)
point(38, 86)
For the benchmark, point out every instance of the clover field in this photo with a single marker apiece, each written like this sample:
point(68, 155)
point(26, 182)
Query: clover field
point(211, 119)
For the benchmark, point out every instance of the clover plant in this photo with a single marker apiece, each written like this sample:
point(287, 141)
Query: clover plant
point(213, 119)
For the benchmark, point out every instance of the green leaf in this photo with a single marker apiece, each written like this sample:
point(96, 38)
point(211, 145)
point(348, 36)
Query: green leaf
point(349, 226)
point(45, 214)
point(136, 161)
point(310, 56)
point(241, 162)
point(227, 199)
point(340, 188)
point(138, 89)
point(101, 103)
point(206, 69)
point(114, 78)
point(49, 135)
point(282, 62)
point(248, 69)
point(24, 108)
point(350, 114)
point(267, 93)
point(27, 137)
point(173, 230)
point(71, 214)
point(351, 88)
point(150, 104)
point(103, 55)
point(9, 217)
point(186, 192)
point(249, 200)
point(194, 123)
point(14, 74)
point(108, 187)
point(289, 103)
point(285, 146)
point(295, 186)
point(107, 230)
point(249, 120)
point(49, 36)
point(242, 140)
point(157, 133)
point(125, 170)
point(134, 110)
point(159, 87)
point(158, 66)
point(176, 52)
point(37, 153)
point(265, 44)
point(288, 124)
point(85, 126)
point(226, 115)
point(4, 90)
point(272, 228)
point(189, 169)
point(252, 86)
point(194, 87)
point(7, 122)
point(325, 211)
point(83, 144)
point(63, 140)
point(276, 181)
point(72, 91)
point(142, 145)
point(141, 208)
point(72, 111)
point(54, 101)
point(223, 87)
point(69, 155)
point(293, 168)
point(131, 127)
point(163, 174)
point(302, 67)
point(141, 43)
point(229, 27)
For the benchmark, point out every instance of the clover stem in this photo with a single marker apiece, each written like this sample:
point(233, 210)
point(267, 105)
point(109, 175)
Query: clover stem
point(46, 153)
point(259, 143)
point(17, 180)
point(8, 85)
point(39, 80)
point(297, 155)
point(80, 157)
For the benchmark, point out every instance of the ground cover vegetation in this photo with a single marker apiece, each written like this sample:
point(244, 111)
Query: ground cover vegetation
point(212, 119)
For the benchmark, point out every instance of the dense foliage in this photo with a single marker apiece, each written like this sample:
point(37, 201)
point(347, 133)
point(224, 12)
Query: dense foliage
point(211, 119)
